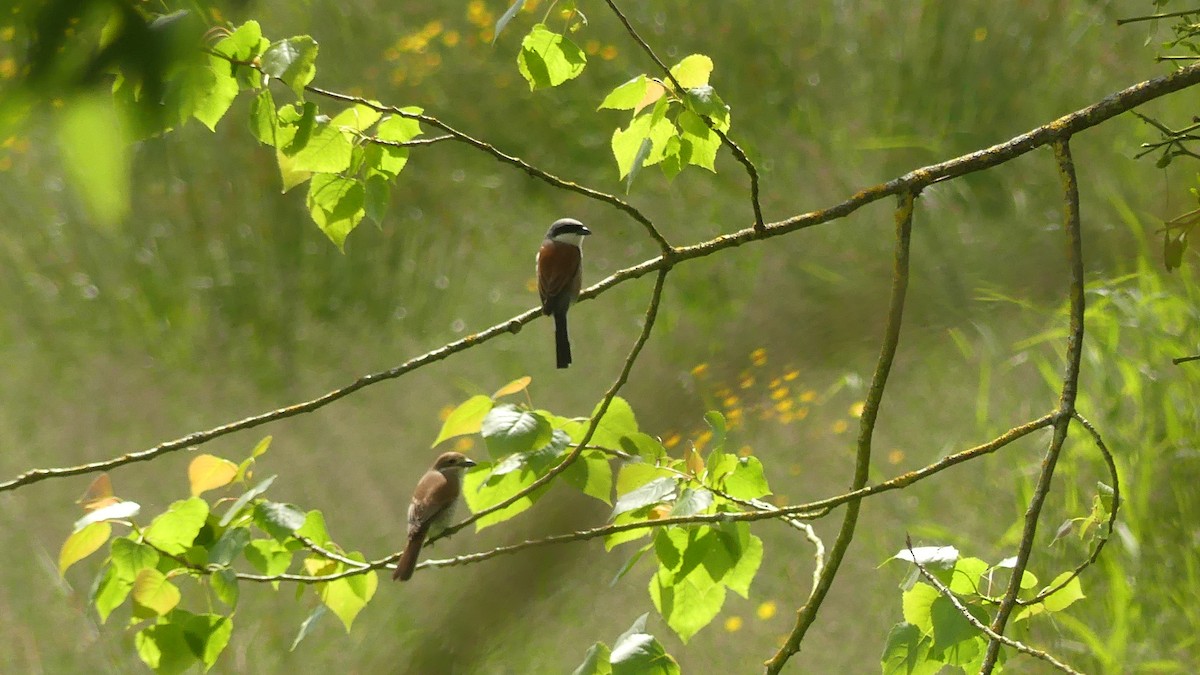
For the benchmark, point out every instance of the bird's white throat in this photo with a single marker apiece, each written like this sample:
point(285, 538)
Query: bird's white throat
point(573, 238)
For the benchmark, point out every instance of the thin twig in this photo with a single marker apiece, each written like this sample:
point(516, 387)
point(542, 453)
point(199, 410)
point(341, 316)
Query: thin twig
point(1066, 406)
point(733, 147)
point(513, 160)
point(966, 614)
point(1153, 17)
point(1185, 359)
point(807, 613)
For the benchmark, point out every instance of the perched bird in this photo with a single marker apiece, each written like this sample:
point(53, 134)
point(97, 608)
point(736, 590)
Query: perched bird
point(432, 507)
point(559, 276)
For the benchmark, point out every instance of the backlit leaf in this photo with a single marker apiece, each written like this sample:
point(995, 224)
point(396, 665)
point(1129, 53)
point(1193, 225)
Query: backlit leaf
point(467, 418)
point(693, 71)
point(174, 530)
point(82, 543)
point(152, 590)
point(208, 472)
point(548, 59)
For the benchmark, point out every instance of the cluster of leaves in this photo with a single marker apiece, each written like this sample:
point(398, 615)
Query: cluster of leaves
point(636, 652)
point(191, 544)
point(672, 126)
point(697, 563)
point(935, 634)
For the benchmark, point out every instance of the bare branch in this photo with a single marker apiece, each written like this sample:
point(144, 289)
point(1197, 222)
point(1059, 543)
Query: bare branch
point(1066, 406)
point(862, 461)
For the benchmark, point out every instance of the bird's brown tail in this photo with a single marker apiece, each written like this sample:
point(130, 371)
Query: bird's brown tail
point(408, 559)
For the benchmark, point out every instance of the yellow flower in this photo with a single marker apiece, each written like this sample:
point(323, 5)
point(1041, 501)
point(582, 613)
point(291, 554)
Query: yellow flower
point(791, 375)
point(730, 402)
point(766, 610)
point(779, 393)
point(444, 413)
point(981, 34)
point(745, 451)
point(784, 405)
point(808, 396)
point(840, 427)
point(759, 356)
point(450, 38)
point(704, 437)
point(464, 443)
point(733, 624)
point(746, 382)
point(8, 68)
point(700, 370)
point(896, 456)
point(608, 53)
point(671, 441)
point(856, 410)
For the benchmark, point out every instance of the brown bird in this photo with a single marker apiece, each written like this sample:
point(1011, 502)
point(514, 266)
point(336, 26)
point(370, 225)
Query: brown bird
point(559, 277)
point(432, 507)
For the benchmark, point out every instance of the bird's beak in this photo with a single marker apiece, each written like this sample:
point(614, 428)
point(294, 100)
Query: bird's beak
point(468, 462)
point(585, 230)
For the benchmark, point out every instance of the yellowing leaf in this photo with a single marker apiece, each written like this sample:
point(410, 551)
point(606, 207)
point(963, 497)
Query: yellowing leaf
point(517, 385)
point(208, 472)
point(81, 544)
point(152, 590)
point(654, 91)
point(694, 463)
point(98, 494)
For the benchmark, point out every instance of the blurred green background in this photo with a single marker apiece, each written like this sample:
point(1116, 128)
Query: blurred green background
point(218, 298)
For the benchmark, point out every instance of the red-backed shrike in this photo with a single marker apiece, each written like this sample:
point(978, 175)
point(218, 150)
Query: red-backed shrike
point(560, 275)
point(432, 506)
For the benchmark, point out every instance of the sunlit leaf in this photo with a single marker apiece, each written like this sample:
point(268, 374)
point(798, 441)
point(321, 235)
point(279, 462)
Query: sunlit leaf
point(347, 596)
point(636, 652)
point(516, 386)
point(98, 494)
point(152, 590)
point(906, 652)
point(208, 635)
point(595, 661)
point(506, 17)
point(929, 556)
point(241, 502)
point(94, 150)
point(336, 205)
point(507, 429)
point(627, 96)
point(650, 493)
point(293, 61)
point(467, 418)
point(164, 648)
point(548, 59)
point(176, 529)
point(693, 71)
point(82, 543)
point(208, 472)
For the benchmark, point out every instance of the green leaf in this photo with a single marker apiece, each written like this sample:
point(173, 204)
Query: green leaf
point(225, 586)
point(278, 520)
point(701, 142)
point(467, 418)
point(81, 544)
point(207, 635)
point(245, 499)
point(152, 590)
point(633, 559)
point(548, 59)
point(506, 17)
point(618, 424)
point(693, 71)
point(651, 493)
point(293, 61)
point(243, 44)
point(336, 205)
point(347, 596)
point(264, 121)
point(916, 603)
point(307, 626)
point(744, 553)
point(967, 572)
point(164, 648)
point(109, 591)
point(94, 148)
point(268, 556)
point(906, 652)
point(175, 530)
point(229, 546)
point(687, 604)
point(326, 149)
point(507, 429)
point(356, 118)
point(314, 528)
point(636, 652)
point(1058, 601)
point(213, 92)
point(483, 489)
point(707, 104)
point(616, 539)
point(716, 422)
point(377, 199)
point(595, 661)
point(627, 96)
point(950, 627)
point(129, 558)
point(747, 480)
point(591, 474)
point(644, 446)
point(718, 466)
point(636, 474)
point(692, 501)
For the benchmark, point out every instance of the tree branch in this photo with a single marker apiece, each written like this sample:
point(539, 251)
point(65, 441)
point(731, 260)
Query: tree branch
point(1068, 125)
point(862, 462)
point(1066, 406)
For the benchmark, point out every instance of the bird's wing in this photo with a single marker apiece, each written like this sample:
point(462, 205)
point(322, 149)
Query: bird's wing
point(558, 265)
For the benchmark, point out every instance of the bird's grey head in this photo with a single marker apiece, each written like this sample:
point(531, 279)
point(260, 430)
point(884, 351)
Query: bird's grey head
point(568, 230)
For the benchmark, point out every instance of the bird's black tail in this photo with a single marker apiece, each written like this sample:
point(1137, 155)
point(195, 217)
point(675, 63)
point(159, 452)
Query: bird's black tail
point(562, 343)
